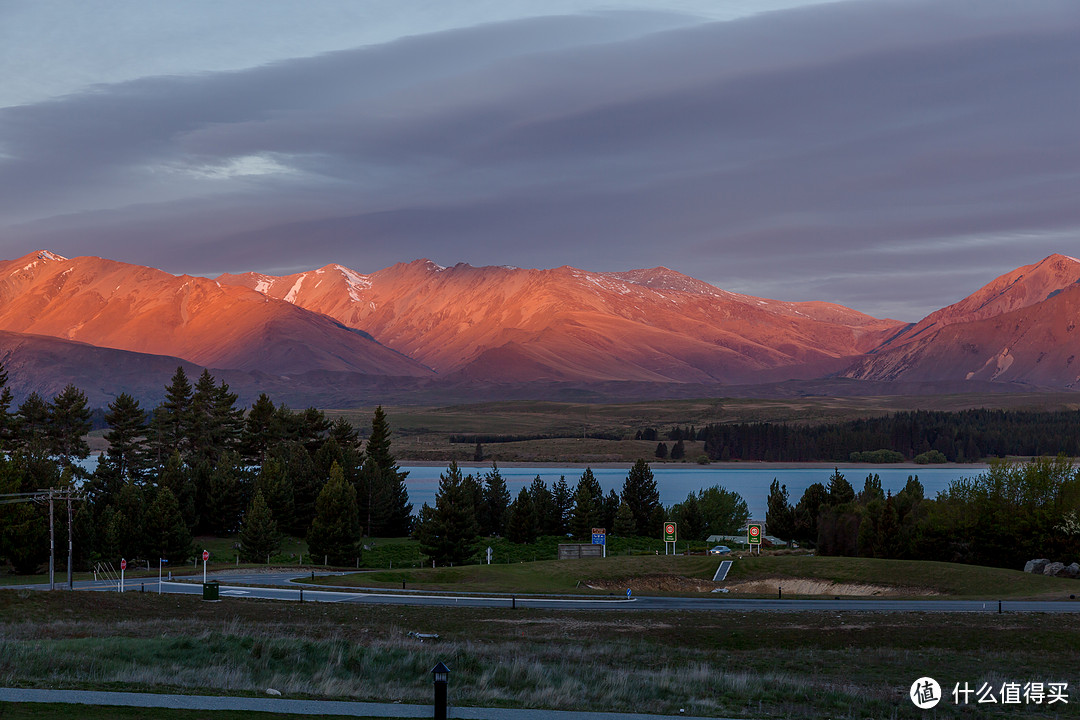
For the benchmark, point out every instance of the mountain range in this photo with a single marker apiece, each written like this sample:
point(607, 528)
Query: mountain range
point(420, 332)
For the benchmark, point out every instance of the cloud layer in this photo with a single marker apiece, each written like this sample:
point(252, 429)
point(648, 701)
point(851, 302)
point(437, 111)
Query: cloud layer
point(890, 156)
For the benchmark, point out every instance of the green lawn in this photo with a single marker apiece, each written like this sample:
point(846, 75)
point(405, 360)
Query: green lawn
point(49, 711)
point(571, 576)
point(732, 664)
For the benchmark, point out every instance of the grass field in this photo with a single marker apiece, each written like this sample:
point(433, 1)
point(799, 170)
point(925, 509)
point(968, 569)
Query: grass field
point(663, 574)
point(55, 711)
point(422, 433)
point(727, 664)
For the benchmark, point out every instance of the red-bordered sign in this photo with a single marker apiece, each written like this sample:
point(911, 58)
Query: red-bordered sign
point(205, 555)
point(754, 534)
point(669, 532)
point(123, 564)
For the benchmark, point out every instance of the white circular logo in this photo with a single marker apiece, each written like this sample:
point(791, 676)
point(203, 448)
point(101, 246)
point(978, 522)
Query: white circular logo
point(925, 693)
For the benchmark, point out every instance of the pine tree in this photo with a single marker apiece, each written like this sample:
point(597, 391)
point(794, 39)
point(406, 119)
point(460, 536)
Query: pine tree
point(543, 506)
point(276, 491)
point(678, 451)
point(661, 451)
point(262, 430)
point(69, 421)
point(478, 453)
point(496, 503)
point(335, 530)
point(781, 517)
point(399, 515)
point(258, 536)
point(126, 437)
point(228, 486)
point(447, 532)
point(564, 502)
point(691, 521)
point(306, 484)
point(313, 429)
point(374, 488)
point(523, 526)
point(6, 420)
point(588, 510)
point(610, 508)
point(640, 494)
point(32, 428)
point(624, 525)
point(169, 422)
point(164, 531)
point(840, 490)
point(346, 436)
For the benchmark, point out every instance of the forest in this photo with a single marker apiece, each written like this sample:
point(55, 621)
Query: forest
point(1012, 513)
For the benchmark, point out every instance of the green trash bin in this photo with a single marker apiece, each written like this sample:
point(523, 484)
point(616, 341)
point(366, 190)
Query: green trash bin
point(210, 591)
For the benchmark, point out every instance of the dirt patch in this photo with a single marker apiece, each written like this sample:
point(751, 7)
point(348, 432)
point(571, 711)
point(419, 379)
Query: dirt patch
point(763, 586)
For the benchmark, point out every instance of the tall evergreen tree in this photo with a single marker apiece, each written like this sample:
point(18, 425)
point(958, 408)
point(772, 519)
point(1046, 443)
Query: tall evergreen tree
point(126, 437)
point(448, 532)
point(399, 517)
point(374, 488)
point(640, 494)
point(259, 537)
point(523, 525)
point(32, 428)
point(228, 488)
point(543, 506)
point(780, 520)
point(335, 531)
point(564, 503)
point(164, 531)
point(691, 521)
point(624, 525)
point(6, 420)
point(588, 511)
point(496, 503)
point(840, 490)
point(610, 508)
point(69, 421)
point(262, 430)
point(276, 490)
point(169, 421)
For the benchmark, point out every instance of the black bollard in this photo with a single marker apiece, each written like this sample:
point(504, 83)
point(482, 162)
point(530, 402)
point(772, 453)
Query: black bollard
point(441, 675)
point(301, 594)
point(780, 593)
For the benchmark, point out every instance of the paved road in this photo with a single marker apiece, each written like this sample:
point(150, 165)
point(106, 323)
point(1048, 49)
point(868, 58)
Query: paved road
point(305, 707)
point(281, 586)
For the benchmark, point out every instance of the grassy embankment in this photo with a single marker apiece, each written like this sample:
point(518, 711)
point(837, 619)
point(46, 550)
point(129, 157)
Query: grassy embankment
point(648, 575)
point(422, 433)
point(54, 711)
point(727, 664)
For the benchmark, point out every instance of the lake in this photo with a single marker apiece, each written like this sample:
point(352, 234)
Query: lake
point(675, 483)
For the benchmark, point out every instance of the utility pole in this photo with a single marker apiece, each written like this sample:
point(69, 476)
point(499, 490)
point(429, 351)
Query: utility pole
point(53, 494)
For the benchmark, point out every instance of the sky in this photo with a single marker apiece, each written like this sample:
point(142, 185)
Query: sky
point(887, 155)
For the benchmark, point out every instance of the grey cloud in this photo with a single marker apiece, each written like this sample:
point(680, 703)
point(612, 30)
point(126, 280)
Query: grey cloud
point(832, 152)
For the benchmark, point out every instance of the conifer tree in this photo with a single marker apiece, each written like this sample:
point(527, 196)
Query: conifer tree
point(335, 530)
point(781, 516)
point(661, 451)
point(373, 491)
point(610, 508)
point(678, 451)
point(564, 503)
point(225, 502)
point(399, 515)
point(259, 537)
point(588, 511)
point(69, 421)
point(496, 503)
point(164, 531)
point(32, 427)
point(169, 421)
point(840, 490)
point(544, 507)
point(447, 532)
point(640, 494)
point(262, 430)
point(624, 525)
point(272, 483)
point(5, 410)
point(126, 437)
point(523, 525)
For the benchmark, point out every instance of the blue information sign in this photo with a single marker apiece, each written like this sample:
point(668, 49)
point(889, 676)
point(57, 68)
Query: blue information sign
point(599, 536)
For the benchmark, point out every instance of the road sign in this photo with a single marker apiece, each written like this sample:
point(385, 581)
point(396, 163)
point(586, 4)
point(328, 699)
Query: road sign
point(753, 534)
point(489, 554)
point(599, 536)
point(123, 564)
point(669, 532)
point(627, 593)
point(205, 555)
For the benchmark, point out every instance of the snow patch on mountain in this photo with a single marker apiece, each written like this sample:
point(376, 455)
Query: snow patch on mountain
point(290, 297)
point(355, 281)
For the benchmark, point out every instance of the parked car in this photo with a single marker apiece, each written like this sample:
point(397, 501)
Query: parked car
point(720, 550)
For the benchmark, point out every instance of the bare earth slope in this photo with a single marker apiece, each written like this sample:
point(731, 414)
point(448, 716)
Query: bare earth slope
point(1021, 327)
point(497, 324)
point(116, 305)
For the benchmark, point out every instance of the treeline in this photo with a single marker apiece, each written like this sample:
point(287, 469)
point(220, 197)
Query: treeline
point(964, 436)
point(500, 438)
point(470, 507)
point(1008, 515)
point(197, 464)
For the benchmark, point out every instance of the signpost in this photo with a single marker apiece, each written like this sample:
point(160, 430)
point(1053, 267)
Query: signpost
point(754, 531)
point(123, 567)
point(205, 557)
point(670, 536)
point(599, 537)
point(489, 554)
point(160, 562)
